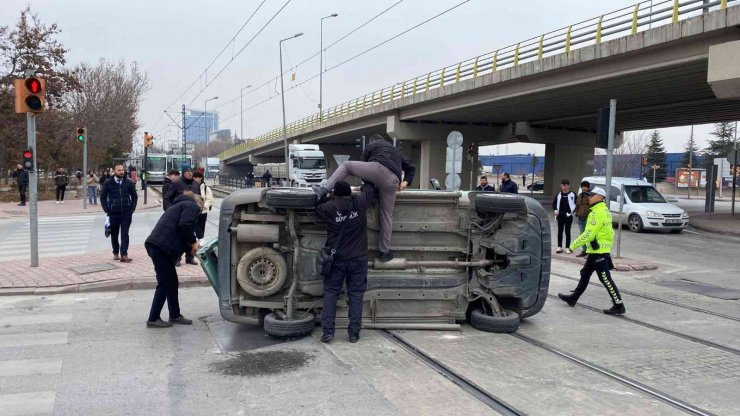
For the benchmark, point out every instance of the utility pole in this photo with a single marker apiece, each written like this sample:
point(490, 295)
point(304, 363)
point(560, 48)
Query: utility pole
point(691, 161)
point(241, 109)
point(33, 183)
point(282, 97)
point(610, 152)
point(321, 67)
point(208, 125)
point(184, 133)
point(84, 166)
point(734, 171)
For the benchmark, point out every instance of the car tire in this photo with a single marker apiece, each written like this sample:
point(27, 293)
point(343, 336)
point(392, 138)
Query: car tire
point(498, 324)
point(262, 271)
point(634, 223)
point(299, 327)
point(291, 198)
point(499, 203)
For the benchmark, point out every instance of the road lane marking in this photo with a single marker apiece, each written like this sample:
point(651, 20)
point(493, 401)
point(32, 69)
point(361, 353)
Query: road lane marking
point(26, 404)
point(28, 340)
point(30, 367)
point(35, 319)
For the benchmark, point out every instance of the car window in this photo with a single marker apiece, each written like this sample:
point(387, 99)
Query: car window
point(614, 194)
point(644, 195)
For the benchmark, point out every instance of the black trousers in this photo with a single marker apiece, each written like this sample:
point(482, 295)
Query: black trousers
point(167, 284)
point(564, 223)
point(354, 273)
point(22, 190)
point(599, 263)
point(60, 192)
point(200, 225)
point(120, 223)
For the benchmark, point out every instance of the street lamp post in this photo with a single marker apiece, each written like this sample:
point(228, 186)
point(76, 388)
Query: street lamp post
point(282, 96)
point(205, 115)
point(321, 67)
point(241, 109)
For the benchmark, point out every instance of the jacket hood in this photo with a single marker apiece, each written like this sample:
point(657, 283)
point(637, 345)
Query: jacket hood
point(185, 198)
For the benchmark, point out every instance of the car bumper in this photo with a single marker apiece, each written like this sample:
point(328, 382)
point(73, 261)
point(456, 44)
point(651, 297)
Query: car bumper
point(664, 224)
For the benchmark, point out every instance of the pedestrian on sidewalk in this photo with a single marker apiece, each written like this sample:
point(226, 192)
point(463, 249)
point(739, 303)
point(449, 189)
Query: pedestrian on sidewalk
point(524, 180)
point(598, 238)
point(266, 178)
point(172, 176)
point(582, 209)
point(119, 202)
point(92, 188)
point(183, 184)
point(507, 185)
point(21, 179)
point(346, 235)
point(173, 235)
point(383, 165)
point(61, 180)
point(564, 206)
point(133, 175)
point(207, 194)
point(250, 179)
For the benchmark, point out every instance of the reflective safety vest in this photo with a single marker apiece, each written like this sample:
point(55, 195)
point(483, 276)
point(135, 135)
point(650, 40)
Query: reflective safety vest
point(598, 229)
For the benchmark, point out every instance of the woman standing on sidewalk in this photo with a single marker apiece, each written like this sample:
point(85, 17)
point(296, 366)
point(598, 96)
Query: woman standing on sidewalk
point(61, 180)
point(92, 188)
point(205, 192)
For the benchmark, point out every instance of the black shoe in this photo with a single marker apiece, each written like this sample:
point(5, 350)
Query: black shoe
point(191, 261)
point(582, 254)
point(320, 191)
point(158, 324)
point(181, 320)
point(353, 338)
point(571, 299)
point(386, 256)
point(326, 338)
point(21, 205)
point(617, 309)
point(107, 232)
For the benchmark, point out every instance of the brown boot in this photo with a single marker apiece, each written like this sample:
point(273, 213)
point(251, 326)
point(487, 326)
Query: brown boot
point(116, 258)
point(125, 259)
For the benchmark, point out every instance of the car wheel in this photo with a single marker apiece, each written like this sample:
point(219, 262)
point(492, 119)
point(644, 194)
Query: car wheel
point(299, 327)
point(635, 223)
point(676, 231)
point(498, 324)
point(295, 198)
point(499, 203)
point(262, 271)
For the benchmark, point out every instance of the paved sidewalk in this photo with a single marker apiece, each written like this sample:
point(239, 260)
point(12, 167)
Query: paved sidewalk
point(56, 274)
point(71, 206)
point(718, 223)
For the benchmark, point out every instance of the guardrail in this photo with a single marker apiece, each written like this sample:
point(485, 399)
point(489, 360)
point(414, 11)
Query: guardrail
point(232, 181)
point(627, 21)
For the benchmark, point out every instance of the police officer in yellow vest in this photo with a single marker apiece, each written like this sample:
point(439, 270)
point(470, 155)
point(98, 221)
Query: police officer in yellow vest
point(598, 238)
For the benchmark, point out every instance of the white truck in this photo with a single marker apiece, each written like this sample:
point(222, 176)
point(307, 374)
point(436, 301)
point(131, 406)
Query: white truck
point(307, 167)
point(211, 166)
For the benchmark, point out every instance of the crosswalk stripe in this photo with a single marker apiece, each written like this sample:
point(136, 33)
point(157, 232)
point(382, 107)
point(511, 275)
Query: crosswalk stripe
point(28, 340)
point(35, 319)
point(24, 404)
point(30, 367)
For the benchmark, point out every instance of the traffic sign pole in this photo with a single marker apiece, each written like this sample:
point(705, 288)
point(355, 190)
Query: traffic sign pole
point(84, 169)
point(33, 191)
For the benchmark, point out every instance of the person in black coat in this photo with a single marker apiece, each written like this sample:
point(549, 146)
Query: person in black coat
point(484, 185)
point(186, 183)
point(118, 200)
point(21, 178)
point(173, 235)
point(267, 178)
point(172, 176)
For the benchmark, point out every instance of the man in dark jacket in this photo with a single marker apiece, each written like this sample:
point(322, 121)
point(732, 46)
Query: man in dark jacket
point(250, 179)
point(507, 185)
point(383, 165)
point(173, 235)
point(21, 178)
point(267, 178)
point(172, 176)
point(484, 185)
point(350, 259)
point(119, 202)
point(186, 183)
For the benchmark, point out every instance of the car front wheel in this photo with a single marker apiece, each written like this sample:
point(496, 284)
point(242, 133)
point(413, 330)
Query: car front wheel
point(635, 223)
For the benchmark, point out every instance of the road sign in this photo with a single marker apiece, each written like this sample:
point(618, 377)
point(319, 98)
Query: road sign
point(454, 139)
point(655, 167)
point(452, 182)
point(498, 168)
point(732, 155)
point(454, 160)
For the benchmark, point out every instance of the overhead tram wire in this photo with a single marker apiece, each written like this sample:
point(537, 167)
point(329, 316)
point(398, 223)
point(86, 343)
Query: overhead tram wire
point(240, 51)
point(266, 83)
point(355, 56)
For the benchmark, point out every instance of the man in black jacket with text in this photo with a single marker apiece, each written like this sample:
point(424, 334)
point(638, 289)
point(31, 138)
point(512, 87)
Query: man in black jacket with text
point(118, 200)
point(173, 235)
point(350, 259)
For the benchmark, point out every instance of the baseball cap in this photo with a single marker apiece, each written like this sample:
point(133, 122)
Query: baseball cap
point(598, 191)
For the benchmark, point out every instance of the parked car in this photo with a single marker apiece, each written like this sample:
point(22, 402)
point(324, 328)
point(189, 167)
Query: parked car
point(536, 186)
point(477, 256)
point(644, 207)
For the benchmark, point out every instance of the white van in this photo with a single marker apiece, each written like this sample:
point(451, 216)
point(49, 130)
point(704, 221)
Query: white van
point(644, 207)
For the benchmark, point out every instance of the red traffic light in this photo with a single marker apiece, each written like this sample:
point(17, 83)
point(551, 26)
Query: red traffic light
point(27, 154)
point(33, 85)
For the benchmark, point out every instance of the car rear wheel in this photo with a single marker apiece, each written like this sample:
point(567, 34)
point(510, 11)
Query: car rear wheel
point(301, 325)
point(498, 324)
point(499, 203)
point(635, 223)
point(262, 271)
point(291, 198)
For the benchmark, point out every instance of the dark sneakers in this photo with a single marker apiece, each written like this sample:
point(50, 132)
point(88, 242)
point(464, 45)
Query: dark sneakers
point(617, 309)
point(191, 261)
point(353, 338)
point(571, 299)
point(181, 320)
point(386, 256)
point(327, 338)
point(158, 324)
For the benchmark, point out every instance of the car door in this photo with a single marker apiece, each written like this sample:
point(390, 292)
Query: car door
point(614, 203)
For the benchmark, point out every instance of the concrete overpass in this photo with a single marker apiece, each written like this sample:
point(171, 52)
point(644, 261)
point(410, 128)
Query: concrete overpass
point(677, 65)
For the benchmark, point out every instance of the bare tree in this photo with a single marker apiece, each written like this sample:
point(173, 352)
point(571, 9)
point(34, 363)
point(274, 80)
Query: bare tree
point(627, 157)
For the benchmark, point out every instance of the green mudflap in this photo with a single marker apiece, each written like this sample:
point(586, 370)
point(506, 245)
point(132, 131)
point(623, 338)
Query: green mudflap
point(208, 255)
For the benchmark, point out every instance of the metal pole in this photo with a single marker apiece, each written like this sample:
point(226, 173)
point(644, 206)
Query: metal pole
point(84, 168)
point(205, 116)
point(619, 229)
point(184, 133)
point(531, 183)
point(282, 98)
point(454, 172)
point(145, 173)
point(610, 150)
point(734, 172)
point(654, 175)
point(321, 70)
point(33, 191)
point(691, 161)
point(241, 112)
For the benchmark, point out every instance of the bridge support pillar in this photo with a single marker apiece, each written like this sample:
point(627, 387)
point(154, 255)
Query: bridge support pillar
point(570, 162)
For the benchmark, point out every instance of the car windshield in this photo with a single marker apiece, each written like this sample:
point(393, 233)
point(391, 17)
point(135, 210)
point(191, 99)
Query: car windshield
point(644, 194)
point(312, 163)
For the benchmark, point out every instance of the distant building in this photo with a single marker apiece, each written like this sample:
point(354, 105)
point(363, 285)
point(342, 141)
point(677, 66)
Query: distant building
point(198, 125)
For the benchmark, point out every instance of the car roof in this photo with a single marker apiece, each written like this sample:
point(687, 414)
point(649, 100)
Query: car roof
point(617, 180)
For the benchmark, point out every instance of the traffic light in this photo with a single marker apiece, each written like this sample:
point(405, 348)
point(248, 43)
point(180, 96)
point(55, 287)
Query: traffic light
point(602, 128)
point(471, 150)
point(30, 95)
point(148, 140)
point(28, 160)
point(81, 134)
point(644, 160)
point(360, 143)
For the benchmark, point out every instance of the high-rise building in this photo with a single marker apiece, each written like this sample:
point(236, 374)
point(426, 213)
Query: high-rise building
point(199, 125)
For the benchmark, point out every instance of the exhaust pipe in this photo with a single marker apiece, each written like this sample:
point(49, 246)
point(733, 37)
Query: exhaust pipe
point(402, 263)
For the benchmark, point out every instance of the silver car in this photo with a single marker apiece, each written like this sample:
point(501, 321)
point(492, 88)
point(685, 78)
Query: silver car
point(475, 256)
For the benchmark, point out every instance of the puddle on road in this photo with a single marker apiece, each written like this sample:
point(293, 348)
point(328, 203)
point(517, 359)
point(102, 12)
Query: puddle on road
point(262, 363)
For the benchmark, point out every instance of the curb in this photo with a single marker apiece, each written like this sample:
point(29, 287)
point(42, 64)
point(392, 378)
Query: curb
point(713, 230)
point(619, 266)
point(103, 286)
